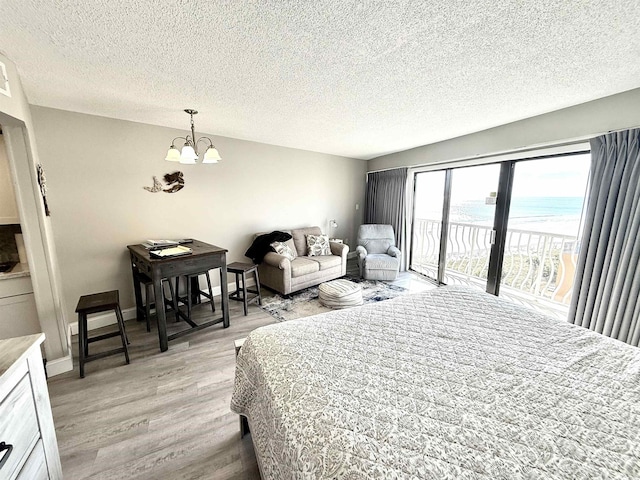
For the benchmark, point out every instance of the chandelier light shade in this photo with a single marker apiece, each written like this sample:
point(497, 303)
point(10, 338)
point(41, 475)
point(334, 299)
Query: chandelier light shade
point(189, 153)
point(211, 155)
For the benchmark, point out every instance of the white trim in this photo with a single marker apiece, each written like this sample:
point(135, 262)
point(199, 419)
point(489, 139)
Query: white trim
point(109, 318)
point(352, 255)
point(59, 366)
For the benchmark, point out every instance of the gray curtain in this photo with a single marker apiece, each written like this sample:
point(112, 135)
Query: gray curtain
point(607, 287)
point(385, 201)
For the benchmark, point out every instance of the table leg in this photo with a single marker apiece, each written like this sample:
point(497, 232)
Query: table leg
point(195, 289)
point(224, 292)
point(82, 345)
point(160, 312)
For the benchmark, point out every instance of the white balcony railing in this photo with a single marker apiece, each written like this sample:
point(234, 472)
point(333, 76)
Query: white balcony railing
point(537, 270)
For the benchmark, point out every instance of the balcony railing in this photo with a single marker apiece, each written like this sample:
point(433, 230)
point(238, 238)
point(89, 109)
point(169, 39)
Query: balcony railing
point(537, 270)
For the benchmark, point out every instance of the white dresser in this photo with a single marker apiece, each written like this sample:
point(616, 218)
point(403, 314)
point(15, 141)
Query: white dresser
point(26, 423)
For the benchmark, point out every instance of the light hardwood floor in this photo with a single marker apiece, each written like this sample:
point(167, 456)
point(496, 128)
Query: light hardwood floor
point(166, 415)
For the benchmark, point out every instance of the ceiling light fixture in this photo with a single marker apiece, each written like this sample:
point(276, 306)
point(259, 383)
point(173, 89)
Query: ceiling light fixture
point(189, 153)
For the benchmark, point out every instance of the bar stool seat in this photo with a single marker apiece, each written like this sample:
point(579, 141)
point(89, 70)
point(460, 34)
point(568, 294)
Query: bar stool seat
point(96, 303)
point(241, 292)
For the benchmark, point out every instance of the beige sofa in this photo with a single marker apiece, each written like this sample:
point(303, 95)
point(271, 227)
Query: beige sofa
point(287, 276)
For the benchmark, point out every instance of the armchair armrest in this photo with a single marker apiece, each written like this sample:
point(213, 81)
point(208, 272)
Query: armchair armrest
point(394, 252)
point(361, 251)
point(276, 260)
point(339, 249)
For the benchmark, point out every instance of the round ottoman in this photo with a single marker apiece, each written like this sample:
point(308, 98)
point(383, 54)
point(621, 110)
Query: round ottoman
point(340, 294)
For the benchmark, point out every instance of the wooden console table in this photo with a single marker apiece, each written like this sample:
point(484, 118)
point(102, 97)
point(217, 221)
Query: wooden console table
point(204, 257)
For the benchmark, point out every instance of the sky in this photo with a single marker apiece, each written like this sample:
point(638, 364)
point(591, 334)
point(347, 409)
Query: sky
point(553, 177)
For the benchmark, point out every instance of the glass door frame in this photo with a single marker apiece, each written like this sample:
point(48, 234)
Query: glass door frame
point(500, 221)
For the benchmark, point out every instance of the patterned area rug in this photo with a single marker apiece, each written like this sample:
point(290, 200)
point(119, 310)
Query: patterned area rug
point(306, 303)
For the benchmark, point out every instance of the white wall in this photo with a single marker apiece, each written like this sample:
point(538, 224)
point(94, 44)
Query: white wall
point(616, 112)
point(96, 168)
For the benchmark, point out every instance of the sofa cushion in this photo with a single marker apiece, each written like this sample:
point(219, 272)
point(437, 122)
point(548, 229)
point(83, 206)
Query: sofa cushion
point(381, 261)
point(284, 250)
point(376, 245)
point(318, 245)
point(327, 261)
point(303, 266)
point(300, 238)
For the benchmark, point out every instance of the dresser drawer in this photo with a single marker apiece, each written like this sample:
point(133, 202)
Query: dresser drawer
point(36, 466)
point(18, 426)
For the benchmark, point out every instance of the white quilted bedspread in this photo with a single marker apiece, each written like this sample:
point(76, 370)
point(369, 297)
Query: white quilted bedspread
point(448, 384)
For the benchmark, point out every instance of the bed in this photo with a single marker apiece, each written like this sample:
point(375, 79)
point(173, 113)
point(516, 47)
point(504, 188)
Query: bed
point(448, 384)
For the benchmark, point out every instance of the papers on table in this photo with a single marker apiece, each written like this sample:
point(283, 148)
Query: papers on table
point(171, 251)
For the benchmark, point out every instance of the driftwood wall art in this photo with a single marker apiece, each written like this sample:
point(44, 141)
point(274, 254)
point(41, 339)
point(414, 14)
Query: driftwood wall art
point(175, 182)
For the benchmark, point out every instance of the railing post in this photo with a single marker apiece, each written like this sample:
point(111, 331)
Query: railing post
point(536, 290)
point(474, 238)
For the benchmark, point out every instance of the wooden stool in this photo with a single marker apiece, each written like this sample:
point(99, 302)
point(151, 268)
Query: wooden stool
point(241, 270)
point(98, 302)
point(144, 311)
point(193, 280)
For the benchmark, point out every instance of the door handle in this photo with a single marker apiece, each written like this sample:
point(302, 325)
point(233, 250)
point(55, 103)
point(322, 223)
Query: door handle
point(7, 448)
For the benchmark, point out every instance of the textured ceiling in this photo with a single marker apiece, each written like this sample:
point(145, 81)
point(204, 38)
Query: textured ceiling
point(354, 78)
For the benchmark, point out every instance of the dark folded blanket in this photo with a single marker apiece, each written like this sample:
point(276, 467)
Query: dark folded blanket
point(262, 245)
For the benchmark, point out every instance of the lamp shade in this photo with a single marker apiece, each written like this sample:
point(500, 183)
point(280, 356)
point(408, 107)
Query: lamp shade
point(173, 155)
point(188, 155)
point(211, 155)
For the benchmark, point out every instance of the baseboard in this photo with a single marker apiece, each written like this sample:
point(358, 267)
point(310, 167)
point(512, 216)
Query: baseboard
point(109, 318)
point(352, 255)
point(59, 366)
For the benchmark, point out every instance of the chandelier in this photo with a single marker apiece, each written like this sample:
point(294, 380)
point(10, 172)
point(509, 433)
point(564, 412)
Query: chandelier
point(189, 153)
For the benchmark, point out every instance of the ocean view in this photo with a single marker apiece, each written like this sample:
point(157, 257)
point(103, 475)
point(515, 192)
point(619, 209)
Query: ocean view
point(559, 215)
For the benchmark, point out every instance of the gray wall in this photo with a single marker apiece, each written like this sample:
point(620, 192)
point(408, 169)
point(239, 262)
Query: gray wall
point(580, 122)
point(96, 168)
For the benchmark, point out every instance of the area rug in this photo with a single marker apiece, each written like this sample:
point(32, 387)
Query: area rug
point(306, 303)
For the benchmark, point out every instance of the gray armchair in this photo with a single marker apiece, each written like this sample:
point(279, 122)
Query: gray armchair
point(378, 257)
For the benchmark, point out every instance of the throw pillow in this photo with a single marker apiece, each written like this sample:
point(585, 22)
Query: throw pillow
point(283, 249)
point(318, 245)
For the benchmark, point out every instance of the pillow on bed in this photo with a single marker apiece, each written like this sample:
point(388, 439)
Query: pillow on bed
point(318, 245)
point(284, 250)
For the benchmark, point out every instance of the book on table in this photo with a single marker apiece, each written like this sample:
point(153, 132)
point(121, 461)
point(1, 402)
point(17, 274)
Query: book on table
point(171, 251)
point(156, 244)
point(159, 243)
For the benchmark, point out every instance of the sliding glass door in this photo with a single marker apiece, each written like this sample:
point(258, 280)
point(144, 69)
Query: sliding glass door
point(542, 234)
point(429, 202)
point(471, 215)
point(510, 228)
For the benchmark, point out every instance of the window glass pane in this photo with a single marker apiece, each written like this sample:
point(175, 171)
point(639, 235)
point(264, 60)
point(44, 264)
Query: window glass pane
point(542, 234)
point(473, 195)
point(427, 224)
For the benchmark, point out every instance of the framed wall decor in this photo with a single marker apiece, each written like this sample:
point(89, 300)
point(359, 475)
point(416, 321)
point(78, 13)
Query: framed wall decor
point(4, 81)
point(42, 182)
